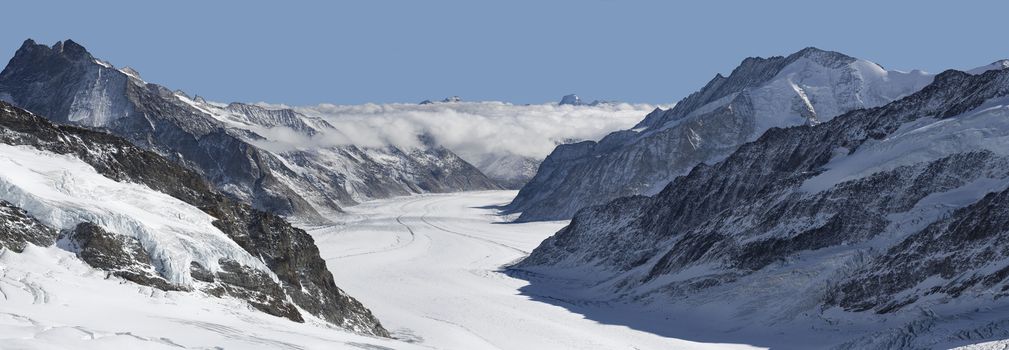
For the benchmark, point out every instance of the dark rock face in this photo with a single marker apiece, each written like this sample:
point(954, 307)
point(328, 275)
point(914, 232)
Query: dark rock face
point(18, 228)
point(200, 273)
point(288, 251)
point(845, 214)
point(256, 287)
point(965, 253)
point(122, 256)
point(125, 257)
point(705, 127)
point(750, 229)
point(293, 256)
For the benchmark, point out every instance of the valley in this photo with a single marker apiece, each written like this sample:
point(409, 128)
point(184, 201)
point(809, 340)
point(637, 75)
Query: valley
point(429, 266)
point(289, 176)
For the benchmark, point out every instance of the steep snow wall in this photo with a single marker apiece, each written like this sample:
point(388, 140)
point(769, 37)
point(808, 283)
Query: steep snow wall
point(62, 191)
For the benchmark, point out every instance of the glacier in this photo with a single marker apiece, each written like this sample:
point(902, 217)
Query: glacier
point(49, 299)
point(62, 191)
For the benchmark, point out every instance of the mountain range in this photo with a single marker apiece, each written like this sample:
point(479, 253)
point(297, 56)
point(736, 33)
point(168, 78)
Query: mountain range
point(67, 84)
point(822, 214)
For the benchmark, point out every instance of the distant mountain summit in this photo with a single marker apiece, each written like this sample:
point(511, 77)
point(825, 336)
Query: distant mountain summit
point(450, 99)
point(571, 100)
point(574, 100)
point(807, 87)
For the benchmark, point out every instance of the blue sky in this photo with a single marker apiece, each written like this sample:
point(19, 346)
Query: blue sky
point(519, 51)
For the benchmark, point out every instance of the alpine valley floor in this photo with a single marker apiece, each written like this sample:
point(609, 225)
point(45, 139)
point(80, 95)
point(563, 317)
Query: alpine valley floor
point(430, 267)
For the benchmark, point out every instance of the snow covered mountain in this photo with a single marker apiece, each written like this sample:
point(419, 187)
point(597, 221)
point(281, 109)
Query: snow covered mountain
point(510, 171)
point(571, 99)
point(66, 83)
point(880, 228)
point(810, 86)
point(147, 220)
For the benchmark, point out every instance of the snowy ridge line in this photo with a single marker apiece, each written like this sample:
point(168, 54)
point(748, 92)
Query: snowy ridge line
point(983, 128)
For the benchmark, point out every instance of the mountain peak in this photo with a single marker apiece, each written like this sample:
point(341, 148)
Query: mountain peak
point(949, 76)
point(571, 99)
point(28, 43)
point(824, 57)
point(131, 72)
point(812, 50)
point(34, 57)
point(67, 49)
point(70, 49)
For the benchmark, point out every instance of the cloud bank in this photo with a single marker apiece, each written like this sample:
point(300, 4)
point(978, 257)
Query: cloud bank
point(474, 130)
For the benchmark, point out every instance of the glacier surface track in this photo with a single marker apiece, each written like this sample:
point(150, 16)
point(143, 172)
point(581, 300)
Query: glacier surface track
point(431, 268)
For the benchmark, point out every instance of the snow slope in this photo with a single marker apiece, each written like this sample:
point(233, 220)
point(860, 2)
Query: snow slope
point(926, 139)
point(49, 299)
point(63, 191)
point(429, 267)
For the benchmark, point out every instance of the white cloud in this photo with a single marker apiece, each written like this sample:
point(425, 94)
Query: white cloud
point(474, 130)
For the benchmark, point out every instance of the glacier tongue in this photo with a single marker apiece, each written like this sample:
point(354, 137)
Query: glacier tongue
point(62, 191)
